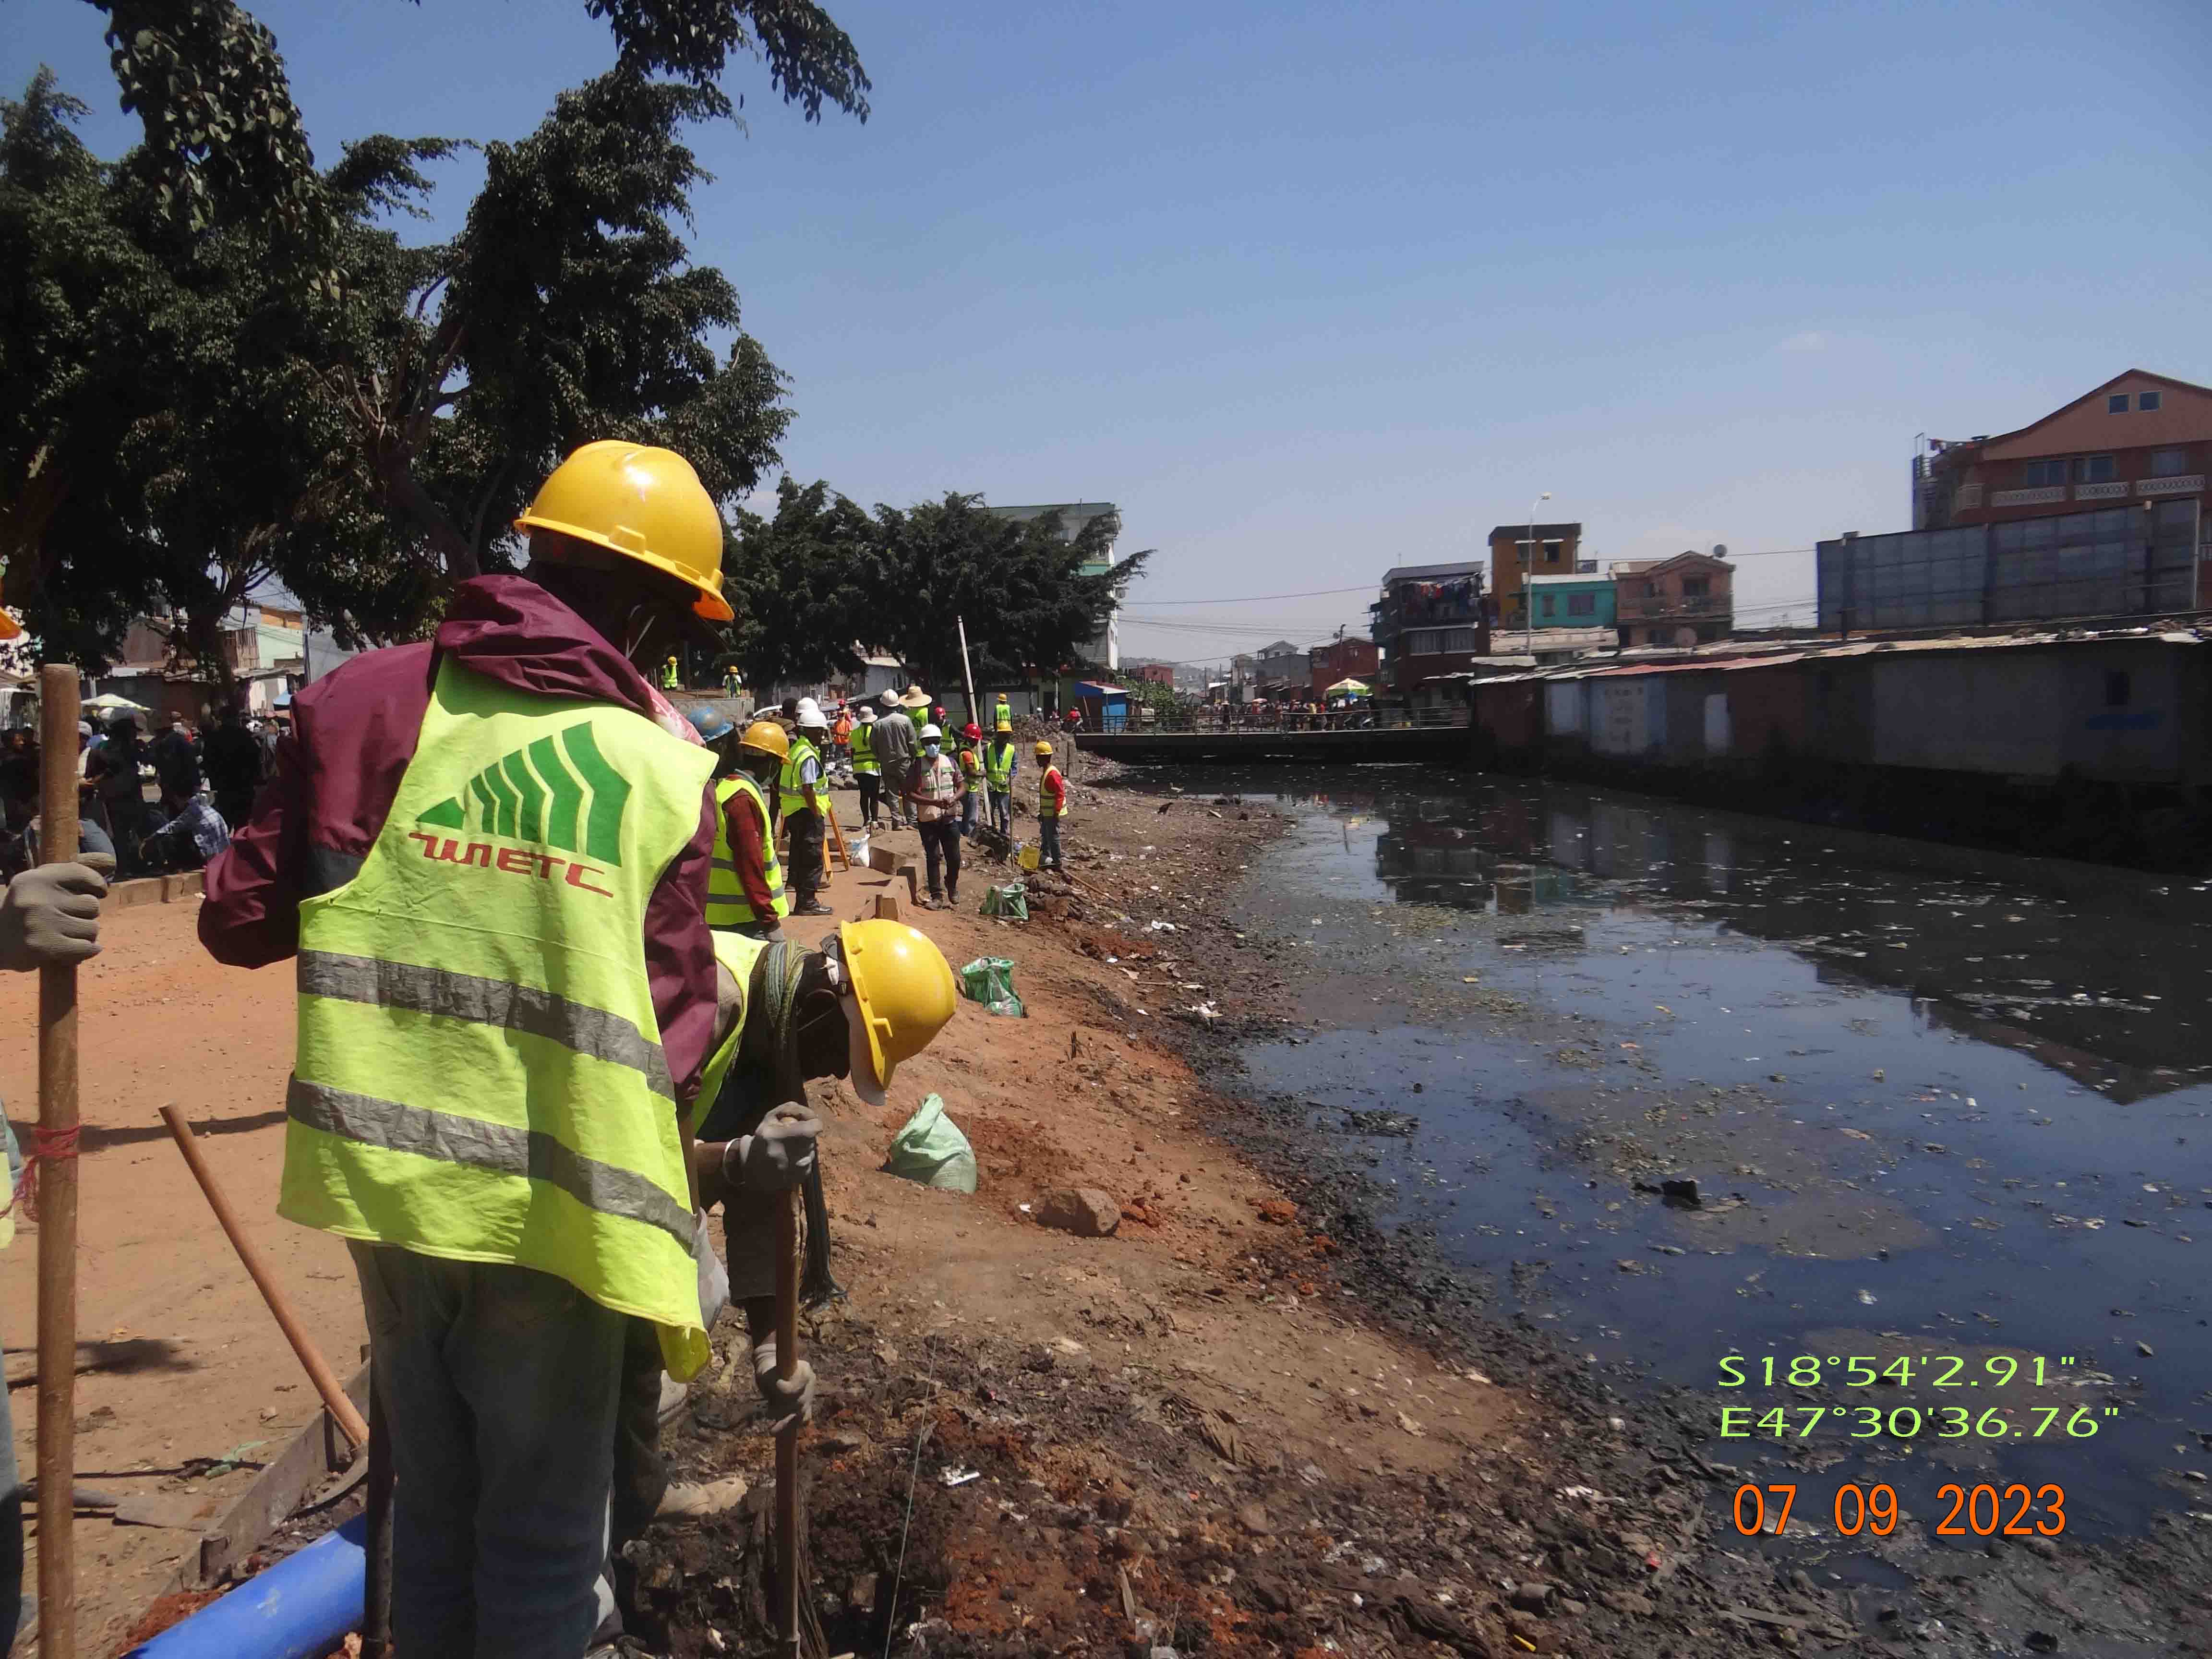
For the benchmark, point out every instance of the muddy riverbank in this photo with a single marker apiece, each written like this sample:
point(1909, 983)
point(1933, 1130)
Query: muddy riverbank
point(1937, 1111)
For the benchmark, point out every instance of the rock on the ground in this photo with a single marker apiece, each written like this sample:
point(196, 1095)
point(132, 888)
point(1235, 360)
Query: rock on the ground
point(1084, 1210)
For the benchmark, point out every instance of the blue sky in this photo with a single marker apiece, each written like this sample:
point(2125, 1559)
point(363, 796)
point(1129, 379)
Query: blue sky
point(1313, 291)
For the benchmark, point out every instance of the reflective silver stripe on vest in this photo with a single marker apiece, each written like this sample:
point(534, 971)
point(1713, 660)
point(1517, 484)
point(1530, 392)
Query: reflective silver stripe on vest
point(575, 1025)
point(499, 1147)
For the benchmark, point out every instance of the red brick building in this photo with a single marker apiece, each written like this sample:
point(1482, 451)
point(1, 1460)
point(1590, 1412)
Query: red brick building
point(1341, 660)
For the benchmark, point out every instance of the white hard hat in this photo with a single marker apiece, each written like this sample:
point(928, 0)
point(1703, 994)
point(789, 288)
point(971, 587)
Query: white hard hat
point(810, 713)
point(930, 734)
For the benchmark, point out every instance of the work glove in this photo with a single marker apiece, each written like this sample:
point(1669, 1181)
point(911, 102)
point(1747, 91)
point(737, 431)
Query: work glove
point(50, 916)
point(777, 1157)
point(789, 1400)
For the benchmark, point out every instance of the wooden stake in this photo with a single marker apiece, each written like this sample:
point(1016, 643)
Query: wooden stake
point(326, 1383)
point(376, 1579)
point(57, 1182)
point(786, 1442)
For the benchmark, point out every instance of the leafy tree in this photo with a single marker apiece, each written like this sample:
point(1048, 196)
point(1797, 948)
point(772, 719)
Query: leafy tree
point(221, 365)
point(804, 584)
point(565, 311)
point(1020, 587)
point(223, 135)
point(164, 444)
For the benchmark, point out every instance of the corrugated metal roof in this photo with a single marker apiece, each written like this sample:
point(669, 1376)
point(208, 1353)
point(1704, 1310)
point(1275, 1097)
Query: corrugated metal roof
point(1422, 572)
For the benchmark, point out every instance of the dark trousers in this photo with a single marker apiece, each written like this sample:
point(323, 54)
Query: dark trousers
point(1048, 843)
point(940, 844)
point(235, 805)
point(806, 853)
point(503, 1385)
point(871, 787)
point(968, 813)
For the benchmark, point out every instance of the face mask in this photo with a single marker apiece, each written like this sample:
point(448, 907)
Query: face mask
point(931, 747)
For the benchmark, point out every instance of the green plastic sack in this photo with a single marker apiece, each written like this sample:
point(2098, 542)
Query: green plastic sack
point(990, 981)
point(929, 1148)
point(1011, 901)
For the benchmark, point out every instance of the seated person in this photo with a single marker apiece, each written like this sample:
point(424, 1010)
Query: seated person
point(194, 833)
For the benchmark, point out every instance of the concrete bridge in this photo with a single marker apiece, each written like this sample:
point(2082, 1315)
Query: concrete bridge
point(1443, 736)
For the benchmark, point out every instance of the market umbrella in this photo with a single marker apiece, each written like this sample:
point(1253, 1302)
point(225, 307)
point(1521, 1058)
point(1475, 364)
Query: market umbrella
point(1348, 687)
point(108, 703)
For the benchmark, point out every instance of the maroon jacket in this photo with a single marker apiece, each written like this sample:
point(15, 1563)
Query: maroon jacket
point(352, 737)
point(748, 851)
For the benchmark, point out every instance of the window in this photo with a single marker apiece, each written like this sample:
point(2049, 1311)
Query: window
point(2168, 463)
point(1696, 587)
point(1550, 607)
point(2116, 404)
point(1520, 552)
point(1550, 552)
point(2148, 401)
point(2092, 469)
point(2042, 475)
point(1581, 604)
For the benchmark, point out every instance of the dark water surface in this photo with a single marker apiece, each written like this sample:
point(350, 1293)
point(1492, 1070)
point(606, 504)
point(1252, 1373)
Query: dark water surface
point(1962, 1100)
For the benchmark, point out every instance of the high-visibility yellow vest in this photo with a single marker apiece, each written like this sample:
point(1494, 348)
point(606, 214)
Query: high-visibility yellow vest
point(726, 905)
point(970, 762)
point(999, 766)
point(479, 1073)
point(1046, 806)
point(737, 952)
point(1000, 712)
point(864, 748)
point(794, 797)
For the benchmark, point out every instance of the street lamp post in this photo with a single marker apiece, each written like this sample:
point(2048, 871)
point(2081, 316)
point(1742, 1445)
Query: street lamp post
point(1528, 599)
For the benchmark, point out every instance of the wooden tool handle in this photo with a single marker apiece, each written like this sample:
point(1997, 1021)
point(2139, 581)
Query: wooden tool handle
point(311, 1359)
point(57, 1117)
point(786, 1443)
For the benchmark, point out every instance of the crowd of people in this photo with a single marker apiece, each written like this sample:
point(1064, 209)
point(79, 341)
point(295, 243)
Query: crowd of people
point(943, 785)
point(201, 779)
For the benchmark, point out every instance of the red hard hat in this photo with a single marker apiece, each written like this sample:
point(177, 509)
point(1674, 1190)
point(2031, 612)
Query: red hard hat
point(971, 730)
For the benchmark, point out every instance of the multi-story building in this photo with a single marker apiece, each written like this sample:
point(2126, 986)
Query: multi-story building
point(1280, 670)
point(1432, 619)
point(1688, 599)
point(1582, 601)
point(1104, 651)
point(1518, 551)
point(2097, 509)
point(1340, 659)
point(1148, 673)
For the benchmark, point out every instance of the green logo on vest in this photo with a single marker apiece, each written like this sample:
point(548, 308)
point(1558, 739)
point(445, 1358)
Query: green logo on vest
point(565, 796)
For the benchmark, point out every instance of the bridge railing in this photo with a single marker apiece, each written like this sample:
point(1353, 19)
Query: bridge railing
point(1216, 718)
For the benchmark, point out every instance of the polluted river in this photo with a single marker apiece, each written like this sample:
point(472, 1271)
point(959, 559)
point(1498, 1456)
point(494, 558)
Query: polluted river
point(1879, 1165)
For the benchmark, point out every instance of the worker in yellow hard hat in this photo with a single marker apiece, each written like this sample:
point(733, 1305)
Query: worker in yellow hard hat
point(1051, 807)
point(490, 854)
point(872, 998)
point(746, 890)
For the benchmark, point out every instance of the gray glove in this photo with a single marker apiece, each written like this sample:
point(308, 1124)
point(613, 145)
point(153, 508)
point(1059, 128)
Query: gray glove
point(50, 916)
point(788, 1400)
point(778, 1156)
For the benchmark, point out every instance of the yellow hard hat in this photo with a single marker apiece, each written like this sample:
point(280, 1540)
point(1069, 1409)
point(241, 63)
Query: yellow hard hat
point(903, 985)
point(767, 737)
point(1044, 748)
point(644, 503)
